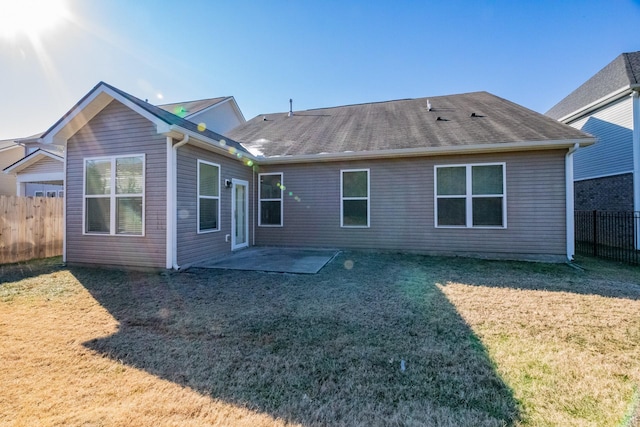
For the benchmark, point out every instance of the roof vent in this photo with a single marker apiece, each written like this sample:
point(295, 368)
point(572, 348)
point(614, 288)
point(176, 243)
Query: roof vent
point(264, 118)
point(475, 115)
point(428, 105)
point(440, 119)
point(290, 107)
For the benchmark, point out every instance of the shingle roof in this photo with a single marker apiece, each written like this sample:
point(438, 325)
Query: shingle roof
point(6, 143)
point(401, 124)
point(619, 73)
point(188, 108)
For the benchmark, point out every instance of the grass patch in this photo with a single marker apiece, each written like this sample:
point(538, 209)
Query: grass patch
point(394, 340)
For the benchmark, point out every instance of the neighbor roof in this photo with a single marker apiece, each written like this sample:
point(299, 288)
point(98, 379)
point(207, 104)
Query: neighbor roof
point(189, 108)
point(401, 124)
point(8, 143)
point(622, 72)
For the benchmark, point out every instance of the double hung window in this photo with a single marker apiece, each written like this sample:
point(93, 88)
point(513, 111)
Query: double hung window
point(114, 195)
point(270, 195)
point(354, 194)
point(208, 197)
point(470, 195)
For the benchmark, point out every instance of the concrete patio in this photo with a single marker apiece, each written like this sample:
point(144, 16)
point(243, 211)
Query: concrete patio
point(277, 260)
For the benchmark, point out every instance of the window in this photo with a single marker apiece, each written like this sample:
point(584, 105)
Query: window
point(114, 195)
point(470, 195)
point(38, 194)
point(60, 193)
point(270, 195)
point(52, 193)
point(354, 192)
point(208, 197)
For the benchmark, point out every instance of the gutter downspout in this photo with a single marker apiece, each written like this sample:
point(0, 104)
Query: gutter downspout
point(172, 201)
point(569, 194)
point(636, 162)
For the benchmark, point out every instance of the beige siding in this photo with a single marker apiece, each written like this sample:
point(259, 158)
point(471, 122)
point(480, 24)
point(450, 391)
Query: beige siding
point(45, 165)
point(194, 247)
point(117, 130)
point(402, 208)
point(8, 181)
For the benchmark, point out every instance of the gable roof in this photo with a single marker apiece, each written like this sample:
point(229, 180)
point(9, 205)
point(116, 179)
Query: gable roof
point(104, 93)
point(406, 124)
point(30, 159)
point(189, 108)
point(621, 73)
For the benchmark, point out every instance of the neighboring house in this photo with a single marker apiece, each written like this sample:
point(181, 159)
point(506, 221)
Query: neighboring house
point(470, 174)
point(40, 172)
point(607, 174)
point(10, 152)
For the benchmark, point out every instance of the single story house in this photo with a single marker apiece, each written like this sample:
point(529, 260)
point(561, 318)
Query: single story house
point(470, 174)
point(607, 105)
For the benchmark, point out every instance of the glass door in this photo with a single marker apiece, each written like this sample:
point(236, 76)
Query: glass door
point(239, 214)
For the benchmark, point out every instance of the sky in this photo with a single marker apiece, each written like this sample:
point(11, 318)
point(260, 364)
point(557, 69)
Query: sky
point(320, 53)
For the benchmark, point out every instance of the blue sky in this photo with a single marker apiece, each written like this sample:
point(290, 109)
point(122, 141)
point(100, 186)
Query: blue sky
point(321, 53)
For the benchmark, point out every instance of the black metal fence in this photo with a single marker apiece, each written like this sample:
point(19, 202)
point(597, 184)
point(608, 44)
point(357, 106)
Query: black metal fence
point(608, 234)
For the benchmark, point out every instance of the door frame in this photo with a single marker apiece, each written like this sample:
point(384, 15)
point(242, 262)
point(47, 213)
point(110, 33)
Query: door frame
point(234, 183)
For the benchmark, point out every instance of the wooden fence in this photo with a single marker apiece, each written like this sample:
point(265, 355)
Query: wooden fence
point(30, 227)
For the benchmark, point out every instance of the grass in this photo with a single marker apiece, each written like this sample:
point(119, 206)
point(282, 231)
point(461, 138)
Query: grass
point(481, 343)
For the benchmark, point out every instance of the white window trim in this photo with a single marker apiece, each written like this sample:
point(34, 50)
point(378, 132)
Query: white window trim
point(469, 196)
point(260, 199)
point(207, 197)
point(343, 198)
point(113, 195)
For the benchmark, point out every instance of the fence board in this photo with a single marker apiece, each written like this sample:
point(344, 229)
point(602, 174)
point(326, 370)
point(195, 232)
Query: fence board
point(30, 227)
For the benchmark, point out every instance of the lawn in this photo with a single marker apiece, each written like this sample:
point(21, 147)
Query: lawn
point(372, 339)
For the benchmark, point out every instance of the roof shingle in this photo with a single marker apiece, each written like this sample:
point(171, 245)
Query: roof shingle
point(401, 124)
point(623, 71)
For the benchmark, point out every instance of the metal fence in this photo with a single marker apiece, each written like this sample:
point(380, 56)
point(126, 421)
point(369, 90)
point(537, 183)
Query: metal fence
point(608, 234)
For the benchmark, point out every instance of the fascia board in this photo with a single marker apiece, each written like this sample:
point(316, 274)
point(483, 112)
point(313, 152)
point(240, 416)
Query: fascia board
point(29, 160)
point(607, 99)
point(208, 143)
point(87, 109)
point(433, 151)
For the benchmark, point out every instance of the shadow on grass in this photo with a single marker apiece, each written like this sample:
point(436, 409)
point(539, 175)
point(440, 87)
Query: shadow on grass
point(27, 269)
point(324, 349)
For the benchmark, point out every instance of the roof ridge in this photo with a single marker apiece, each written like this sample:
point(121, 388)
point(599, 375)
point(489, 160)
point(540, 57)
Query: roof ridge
point(374, 103)
point(194, 100)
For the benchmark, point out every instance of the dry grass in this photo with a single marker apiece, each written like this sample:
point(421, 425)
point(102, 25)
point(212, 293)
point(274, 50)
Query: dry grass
point(483, 343)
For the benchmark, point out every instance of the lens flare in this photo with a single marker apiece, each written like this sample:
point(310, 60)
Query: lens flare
point(202, 127)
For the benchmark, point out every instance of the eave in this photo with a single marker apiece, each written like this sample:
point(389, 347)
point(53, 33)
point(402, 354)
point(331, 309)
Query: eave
point(500, 147)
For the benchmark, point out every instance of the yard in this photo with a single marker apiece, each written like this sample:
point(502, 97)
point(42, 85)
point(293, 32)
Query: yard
point(372, 339)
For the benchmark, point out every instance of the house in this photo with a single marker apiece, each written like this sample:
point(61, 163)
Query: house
point(10, 152)
point(607, 174)
point(40, 171)
point(470, 174)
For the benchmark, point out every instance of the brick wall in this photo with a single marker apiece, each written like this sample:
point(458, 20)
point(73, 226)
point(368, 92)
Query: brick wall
point(612, 193)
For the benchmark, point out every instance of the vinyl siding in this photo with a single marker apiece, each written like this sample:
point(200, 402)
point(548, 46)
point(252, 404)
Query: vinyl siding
point(613, 152)
point(45, 165)
point(402, 208)
point(194, 247)
point(117, 130)
point(220, 119)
